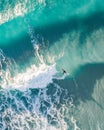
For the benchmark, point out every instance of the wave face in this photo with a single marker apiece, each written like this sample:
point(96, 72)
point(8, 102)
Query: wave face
point(51, 65)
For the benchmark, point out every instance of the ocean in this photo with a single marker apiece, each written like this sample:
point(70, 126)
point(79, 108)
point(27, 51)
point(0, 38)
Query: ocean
point(51, 65)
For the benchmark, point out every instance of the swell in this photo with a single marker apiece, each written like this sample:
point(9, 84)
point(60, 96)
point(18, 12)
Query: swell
point(69, 43)
point(67, 53)
point(49, 47)
point(46, 13)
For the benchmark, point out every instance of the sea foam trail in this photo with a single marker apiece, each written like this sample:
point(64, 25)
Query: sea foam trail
point(34, 76)
point(33, 109)
point(70, 56)
point(9, 11)
point(14, 9)
point(26, 104)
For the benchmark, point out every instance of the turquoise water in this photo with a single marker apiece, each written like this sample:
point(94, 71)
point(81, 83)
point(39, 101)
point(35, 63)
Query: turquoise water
point(38, 39)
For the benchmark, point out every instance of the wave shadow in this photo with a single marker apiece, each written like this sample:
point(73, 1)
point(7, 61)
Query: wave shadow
point(81, 86)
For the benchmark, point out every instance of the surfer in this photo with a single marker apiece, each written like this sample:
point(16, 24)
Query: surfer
point(64, 71)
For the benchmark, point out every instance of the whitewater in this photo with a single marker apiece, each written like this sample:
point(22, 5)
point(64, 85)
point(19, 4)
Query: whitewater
point(38, 40)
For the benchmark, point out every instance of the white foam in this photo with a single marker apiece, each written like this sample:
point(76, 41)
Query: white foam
point(33, 77)
point(19, 9)
point(74, 123)
point(25, 117)
point(10, 13)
